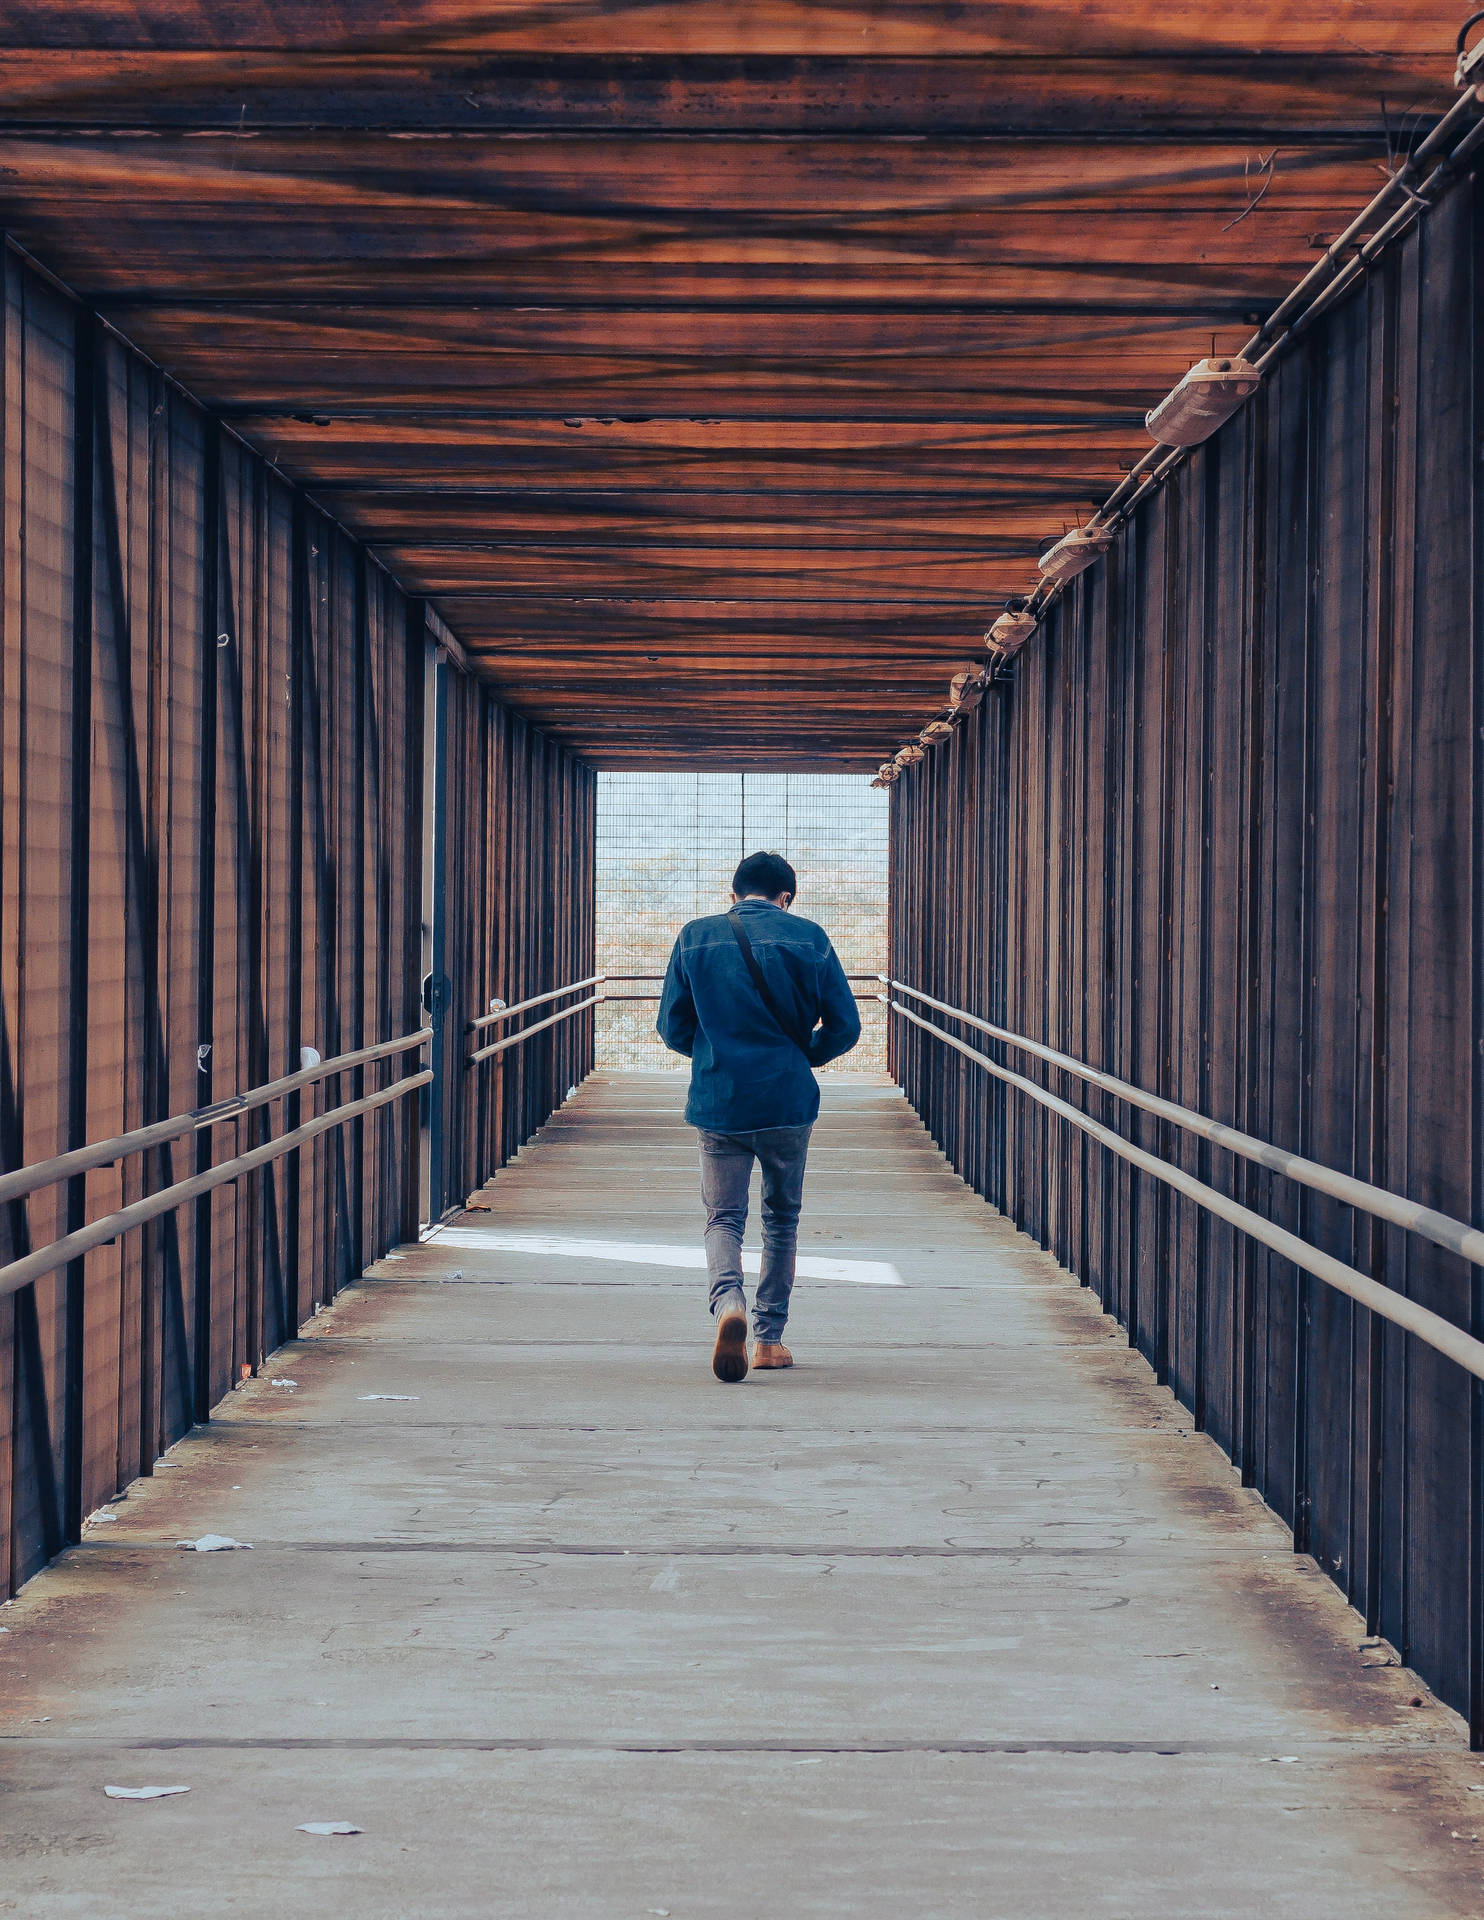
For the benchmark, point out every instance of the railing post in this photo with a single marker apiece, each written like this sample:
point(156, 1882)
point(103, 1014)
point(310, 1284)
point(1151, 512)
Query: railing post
point(1475, 1481)
point(214, 621)
point(75, 1096)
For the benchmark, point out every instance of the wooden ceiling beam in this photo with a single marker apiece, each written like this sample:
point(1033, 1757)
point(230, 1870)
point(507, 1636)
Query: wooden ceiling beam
point(1299, 94)
point(288, 30)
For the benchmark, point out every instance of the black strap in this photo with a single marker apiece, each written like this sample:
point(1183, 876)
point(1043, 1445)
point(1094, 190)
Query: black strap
point(734, 921)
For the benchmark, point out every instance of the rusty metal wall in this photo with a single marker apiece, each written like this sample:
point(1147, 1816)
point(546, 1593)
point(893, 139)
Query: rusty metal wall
point(1222, 835)
point(211, 813)
point(515, 866)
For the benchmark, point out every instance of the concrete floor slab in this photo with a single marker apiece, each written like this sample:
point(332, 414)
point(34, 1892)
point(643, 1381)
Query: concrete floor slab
point(958, 1618)
point(705, 1834)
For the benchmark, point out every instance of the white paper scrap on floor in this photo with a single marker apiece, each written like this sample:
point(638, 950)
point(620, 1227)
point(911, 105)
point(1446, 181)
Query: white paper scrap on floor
point(955, 1618)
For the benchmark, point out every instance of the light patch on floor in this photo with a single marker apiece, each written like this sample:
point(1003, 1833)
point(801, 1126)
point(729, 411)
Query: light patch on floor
point(862, 1273)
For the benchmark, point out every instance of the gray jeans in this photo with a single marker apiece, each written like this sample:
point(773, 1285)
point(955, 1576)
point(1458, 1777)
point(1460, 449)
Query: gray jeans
point(726, 1169)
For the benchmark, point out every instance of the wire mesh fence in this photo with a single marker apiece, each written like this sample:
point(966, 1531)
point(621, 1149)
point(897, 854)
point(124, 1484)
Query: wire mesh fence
point(668, 844)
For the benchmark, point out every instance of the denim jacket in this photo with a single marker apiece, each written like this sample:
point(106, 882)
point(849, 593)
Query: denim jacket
point(746, 1073)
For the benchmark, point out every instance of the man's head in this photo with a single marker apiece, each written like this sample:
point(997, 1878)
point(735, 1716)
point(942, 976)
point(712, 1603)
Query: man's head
point(765, 876)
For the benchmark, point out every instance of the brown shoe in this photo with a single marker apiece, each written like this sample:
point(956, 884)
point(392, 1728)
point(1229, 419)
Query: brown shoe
point(729, 1355)
point(771, 1353)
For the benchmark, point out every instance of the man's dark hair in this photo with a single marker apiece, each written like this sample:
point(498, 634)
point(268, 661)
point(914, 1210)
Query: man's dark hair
point(767, 873)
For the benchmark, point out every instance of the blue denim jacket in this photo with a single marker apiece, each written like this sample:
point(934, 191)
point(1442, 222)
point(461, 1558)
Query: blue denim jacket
point(745, 1073)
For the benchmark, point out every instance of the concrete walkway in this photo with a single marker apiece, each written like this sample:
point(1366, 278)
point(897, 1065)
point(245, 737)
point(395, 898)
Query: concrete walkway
point(958, 1618)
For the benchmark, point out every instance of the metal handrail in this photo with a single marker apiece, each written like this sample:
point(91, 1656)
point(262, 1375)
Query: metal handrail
point(536, 1000)
point(514, 1039)
point(556, 993)
point(872, 977)
point(72, 1246)
point(606, 997)
point(1441, 1228)
point(1383, 1301)
point(16, 1184)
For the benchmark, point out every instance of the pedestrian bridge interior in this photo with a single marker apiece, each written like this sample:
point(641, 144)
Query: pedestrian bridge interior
point(419, 421)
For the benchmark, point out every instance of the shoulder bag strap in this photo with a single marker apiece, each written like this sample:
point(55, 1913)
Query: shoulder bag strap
point(739, 932)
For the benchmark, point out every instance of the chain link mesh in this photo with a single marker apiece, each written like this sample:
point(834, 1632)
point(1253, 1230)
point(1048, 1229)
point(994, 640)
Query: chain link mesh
point(668, 844)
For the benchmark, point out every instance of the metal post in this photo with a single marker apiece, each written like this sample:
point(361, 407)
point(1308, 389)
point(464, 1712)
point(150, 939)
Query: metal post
point(292, 1308)
point(213, 624)
point(435, 978)
point(1475, 1493)
point(84, 456)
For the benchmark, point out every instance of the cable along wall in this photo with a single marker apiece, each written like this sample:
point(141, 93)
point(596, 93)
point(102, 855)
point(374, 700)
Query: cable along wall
point(212, 798)
point(1221, 835)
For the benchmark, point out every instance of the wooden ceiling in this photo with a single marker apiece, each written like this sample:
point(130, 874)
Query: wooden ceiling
point(716, 369)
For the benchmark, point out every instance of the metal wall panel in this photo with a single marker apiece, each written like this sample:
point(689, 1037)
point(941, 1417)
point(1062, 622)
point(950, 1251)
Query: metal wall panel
point(211, 826)
point(511, 912)
point(1222, 835)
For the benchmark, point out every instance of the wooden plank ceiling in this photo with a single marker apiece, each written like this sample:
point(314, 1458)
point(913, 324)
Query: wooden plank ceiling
point(717, 369)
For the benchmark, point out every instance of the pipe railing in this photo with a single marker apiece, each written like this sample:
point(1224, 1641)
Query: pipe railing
point(97, 1233)
point(497, 1014)
point(537, 1026)
point(499, 1011)
point(626, 978)
point(1379, 1299)
point(16, 1184)
point(597, 980)
point(1440, 1228)
point(869, 995)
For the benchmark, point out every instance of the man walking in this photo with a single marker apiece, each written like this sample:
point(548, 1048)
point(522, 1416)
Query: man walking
point(755, 998)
